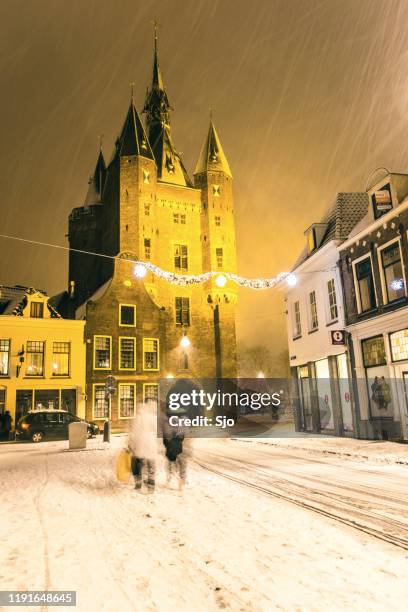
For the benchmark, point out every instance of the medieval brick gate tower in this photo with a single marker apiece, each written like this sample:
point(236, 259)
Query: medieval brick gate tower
point(143, 206)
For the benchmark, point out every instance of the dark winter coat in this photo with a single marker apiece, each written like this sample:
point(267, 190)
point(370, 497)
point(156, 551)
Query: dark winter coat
point(7, 422)
point(174, 446)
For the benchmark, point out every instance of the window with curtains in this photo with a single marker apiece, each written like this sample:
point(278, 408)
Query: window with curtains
point(331, 290)
point(4, 357)
point(35, 358)
point(37, 310)
point(102, 352)
point(127, 400)
point(150, 354)
point(364, 280)
point(314, 322)
point(60, 358)
point(297, 327)
point(101, 403)
point(393, 276)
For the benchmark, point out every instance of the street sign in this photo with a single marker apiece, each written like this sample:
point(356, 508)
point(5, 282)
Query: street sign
point(110, 386)
point(338, 336)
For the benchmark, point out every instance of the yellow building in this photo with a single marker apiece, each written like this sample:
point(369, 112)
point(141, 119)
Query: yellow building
point(42, 356)
point(144, 206)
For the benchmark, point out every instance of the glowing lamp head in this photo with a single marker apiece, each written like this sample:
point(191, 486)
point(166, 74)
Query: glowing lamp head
point(221, 280)
point(291, 280)
point(170, 376)
point(140, 270)
point(185, 342)
point(261, 375)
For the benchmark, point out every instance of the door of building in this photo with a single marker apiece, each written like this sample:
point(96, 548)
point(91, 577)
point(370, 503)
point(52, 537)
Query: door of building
point(305, 398)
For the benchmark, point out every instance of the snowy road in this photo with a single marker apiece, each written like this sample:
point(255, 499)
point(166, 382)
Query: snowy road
point(66, 523)
point(369, 498)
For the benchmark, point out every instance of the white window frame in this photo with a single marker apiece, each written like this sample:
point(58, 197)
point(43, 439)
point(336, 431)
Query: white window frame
point(133, 339)
point(95, 418)
point(94, 351)
point(309, 304)
point(158, 355)
point(380, 249)
point(331, 319)
point(356, 286)
point(126, 384)
point(296, 335)
point(120, 315)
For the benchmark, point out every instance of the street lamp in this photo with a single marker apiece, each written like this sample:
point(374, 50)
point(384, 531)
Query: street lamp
point(185, 341)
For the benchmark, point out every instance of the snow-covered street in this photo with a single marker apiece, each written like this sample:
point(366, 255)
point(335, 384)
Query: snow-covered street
point(238, 536)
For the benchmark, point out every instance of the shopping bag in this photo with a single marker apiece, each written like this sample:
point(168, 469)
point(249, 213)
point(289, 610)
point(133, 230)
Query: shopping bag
point(123, 462)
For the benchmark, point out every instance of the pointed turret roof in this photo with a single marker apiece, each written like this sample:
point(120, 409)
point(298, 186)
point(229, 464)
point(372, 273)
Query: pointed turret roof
point(133, 139)
point(212, 156)
point(96, 182)
point(170, 168)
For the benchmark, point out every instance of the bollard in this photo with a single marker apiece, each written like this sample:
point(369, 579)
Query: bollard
point(106, 431)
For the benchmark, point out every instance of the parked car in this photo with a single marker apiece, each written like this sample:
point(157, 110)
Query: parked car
point(40, 425)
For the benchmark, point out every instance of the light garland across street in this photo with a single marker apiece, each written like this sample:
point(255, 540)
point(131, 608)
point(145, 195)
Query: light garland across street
point(221, 278)
point(141, 268)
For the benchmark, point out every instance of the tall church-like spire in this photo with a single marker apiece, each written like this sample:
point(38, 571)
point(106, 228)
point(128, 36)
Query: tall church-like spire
point(170, 168)
point(96, 182)
point(133, 139)
point(212, 156)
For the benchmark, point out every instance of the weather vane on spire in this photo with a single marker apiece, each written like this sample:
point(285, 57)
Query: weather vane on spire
point(156, 26)
point(132, 86)
point(101, 141)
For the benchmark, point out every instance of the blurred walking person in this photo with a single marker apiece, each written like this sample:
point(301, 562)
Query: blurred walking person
point(143, 446)
point(176, 454)
point(7, 420)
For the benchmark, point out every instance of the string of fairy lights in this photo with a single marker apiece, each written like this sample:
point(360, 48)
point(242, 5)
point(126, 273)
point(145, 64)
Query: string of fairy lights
point(141, 268)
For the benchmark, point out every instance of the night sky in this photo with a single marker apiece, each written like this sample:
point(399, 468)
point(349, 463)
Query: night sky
point(308, 98)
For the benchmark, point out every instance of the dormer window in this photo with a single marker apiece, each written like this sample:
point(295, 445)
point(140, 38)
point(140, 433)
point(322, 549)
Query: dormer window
point(37, 310)
point(314, 235)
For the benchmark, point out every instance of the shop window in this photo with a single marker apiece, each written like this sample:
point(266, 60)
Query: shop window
point(46, 399)
point(182, 311)
point(399, 345)
point(365, 288)
point(60, 358)
point(101, 402)
point(4, 357)
point(37, 310)
point(127, 315)
point(392, 274)
point(127, 353)
point(2, 401)
point(180, 257)
point(35, 358)
point(127, 400)
point(314, 322)
point(150, 354)
point(102, 352)
point(331, 291)
point(373, 352)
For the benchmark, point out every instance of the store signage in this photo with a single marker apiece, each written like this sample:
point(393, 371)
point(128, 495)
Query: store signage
point(338, 336)
point(382, 201)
